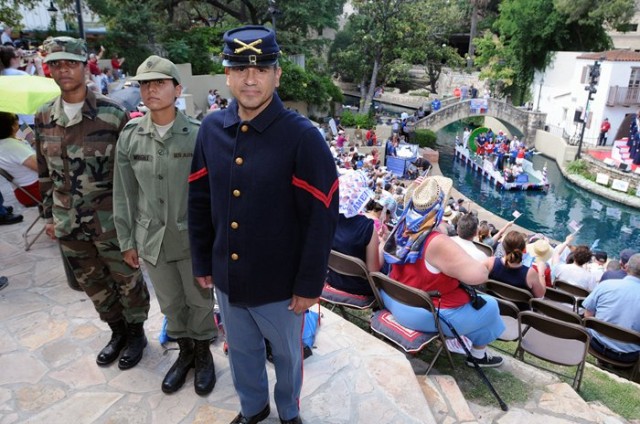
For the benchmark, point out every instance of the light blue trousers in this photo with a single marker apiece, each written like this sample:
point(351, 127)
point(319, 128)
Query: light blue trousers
point(245, 329)
point(481, 326)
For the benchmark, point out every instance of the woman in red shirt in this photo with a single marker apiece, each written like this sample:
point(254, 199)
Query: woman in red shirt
point(425, 259)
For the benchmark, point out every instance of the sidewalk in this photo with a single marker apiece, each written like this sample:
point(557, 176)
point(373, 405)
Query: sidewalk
point(50, 335)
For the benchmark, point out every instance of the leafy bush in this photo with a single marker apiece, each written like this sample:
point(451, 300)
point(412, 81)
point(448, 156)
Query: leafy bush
point(297, 84)
point(580, 167)
point(350, 119)
point(425, 138)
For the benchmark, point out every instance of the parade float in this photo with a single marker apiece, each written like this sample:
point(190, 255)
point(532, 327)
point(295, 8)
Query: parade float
point(487, 166)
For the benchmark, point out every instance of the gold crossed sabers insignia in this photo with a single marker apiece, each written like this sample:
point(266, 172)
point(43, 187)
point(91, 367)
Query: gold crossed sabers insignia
point(250, 46)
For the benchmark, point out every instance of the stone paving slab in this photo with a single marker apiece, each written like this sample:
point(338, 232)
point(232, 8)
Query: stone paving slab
point(50, 334)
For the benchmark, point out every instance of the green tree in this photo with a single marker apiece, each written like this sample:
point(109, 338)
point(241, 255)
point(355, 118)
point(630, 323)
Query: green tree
point(528, 31)
point(369, 43)
point(429, 26)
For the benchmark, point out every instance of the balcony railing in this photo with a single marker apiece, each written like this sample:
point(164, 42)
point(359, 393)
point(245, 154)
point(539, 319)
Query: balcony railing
point(623, 96)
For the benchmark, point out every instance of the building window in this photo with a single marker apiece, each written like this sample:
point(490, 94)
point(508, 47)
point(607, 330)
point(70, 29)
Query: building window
point(584, 78)
point(628, 28)
point(634, 79)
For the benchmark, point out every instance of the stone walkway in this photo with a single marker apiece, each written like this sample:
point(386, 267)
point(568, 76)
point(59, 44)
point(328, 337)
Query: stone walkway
point(50, 334)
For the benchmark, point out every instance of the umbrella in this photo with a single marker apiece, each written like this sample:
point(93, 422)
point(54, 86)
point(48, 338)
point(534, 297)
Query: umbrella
point(24, 94)
point(129, 97)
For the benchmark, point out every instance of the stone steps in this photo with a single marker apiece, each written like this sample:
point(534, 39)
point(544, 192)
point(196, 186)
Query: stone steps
point(551, 401)
point(447, 402)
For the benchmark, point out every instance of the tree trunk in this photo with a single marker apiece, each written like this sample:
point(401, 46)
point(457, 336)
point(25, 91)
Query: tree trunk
point(472, 34)
point(363, 92)
point(372, 85)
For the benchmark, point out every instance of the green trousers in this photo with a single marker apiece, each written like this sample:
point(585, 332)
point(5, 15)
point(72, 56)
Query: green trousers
point(188, 308)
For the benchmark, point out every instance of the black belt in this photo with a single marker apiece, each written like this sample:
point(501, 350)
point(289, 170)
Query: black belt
point(607, 349)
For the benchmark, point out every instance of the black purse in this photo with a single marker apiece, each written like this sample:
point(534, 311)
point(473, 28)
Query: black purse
point(476, 301)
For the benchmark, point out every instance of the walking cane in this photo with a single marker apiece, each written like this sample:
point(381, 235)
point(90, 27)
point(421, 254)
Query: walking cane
point(481, 373)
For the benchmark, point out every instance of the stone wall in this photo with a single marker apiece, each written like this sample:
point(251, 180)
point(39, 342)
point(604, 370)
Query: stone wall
point(556, 148)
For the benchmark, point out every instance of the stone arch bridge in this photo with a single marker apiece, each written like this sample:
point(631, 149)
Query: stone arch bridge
point(525, 121)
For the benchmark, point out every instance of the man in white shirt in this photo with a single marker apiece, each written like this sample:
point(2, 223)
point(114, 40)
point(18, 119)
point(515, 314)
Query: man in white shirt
point(467, 229)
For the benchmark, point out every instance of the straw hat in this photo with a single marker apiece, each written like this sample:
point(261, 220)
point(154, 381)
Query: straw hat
point(540, 249)
point(430, 191)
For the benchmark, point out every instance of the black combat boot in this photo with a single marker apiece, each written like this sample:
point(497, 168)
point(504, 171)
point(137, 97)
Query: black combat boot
point(179, 370)
point(135, 346)
point(205, 370)
point(118, 341)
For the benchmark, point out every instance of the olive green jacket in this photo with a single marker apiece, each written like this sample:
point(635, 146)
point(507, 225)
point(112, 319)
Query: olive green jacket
point(150, 187)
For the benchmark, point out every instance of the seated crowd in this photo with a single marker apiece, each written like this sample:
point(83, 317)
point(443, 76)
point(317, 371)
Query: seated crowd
point(414, 232)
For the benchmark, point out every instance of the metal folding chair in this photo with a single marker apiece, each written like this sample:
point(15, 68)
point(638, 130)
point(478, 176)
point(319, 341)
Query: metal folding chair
point(27, 243)
point(553, 341)
point(384, 324)
point(348, 266)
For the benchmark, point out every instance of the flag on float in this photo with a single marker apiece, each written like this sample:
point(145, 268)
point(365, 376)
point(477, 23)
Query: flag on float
point(574, 226)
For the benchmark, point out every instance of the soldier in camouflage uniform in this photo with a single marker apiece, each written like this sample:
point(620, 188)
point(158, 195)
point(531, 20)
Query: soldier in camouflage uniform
point(76, 136)
point(150, 191)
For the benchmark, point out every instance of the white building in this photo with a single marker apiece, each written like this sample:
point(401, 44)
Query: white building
point(39, 18)
point(630, 39)
point(560, 92)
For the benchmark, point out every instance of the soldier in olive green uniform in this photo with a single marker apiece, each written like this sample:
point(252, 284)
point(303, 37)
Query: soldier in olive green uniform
point(76, 136)
point(153, 162)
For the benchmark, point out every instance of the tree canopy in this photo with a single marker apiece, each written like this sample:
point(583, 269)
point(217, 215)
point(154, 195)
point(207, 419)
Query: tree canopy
point(526, 32)
point(385, 37)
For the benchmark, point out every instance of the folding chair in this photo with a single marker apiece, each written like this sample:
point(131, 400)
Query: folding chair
point(25, 235)
point(485, 248)
point(508, 292)
point(384, 324)
point(561, 298)
point(576, 291)
point(617, 333)
point(553, 310)
point(353, 267)
point(509, 313)
point(553, 341)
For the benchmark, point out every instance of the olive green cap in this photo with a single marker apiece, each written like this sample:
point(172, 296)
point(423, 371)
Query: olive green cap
point(156, 68)
point(65, 48)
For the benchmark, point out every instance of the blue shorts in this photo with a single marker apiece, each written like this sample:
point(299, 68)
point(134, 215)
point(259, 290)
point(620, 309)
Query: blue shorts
point(481, 326)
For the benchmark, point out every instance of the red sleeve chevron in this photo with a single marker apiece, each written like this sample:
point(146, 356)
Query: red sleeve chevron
point(318, 194)
point(198, 174)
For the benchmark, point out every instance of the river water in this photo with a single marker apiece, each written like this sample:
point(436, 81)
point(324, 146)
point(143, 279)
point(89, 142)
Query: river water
point(615, 226)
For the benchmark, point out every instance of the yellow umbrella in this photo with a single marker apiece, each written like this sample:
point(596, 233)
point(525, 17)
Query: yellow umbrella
point(24, 94)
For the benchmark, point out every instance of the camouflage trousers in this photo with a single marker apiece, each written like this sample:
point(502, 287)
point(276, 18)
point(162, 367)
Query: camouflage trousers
point(116, 290)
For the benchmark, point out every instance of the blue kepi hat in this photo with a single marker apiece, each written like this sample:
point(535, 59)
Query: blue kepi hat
point(252, 45)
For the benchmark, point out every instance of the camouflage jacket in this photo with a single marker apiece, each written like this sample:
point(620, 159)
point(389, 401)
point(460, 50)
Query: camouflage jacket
point(75, 166)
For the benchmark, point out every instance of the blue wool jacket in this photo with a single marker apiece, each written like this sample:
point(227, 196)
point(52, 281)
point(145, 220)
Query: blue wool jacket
point(263, 205)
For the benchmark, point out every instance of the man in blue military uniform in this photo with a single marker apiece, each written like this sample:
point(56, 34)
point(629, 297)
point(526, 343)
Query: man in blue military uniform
point(263, 207)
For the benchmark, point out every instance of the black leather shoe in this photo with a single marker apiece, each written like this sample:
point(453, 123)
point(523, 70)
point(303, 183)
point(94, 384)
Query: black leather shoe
point(118, 341)
point(295, 420)
point(176, 376)
point(10, 218)
point(254, 419)
point(205, 378)
point(136, 343)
